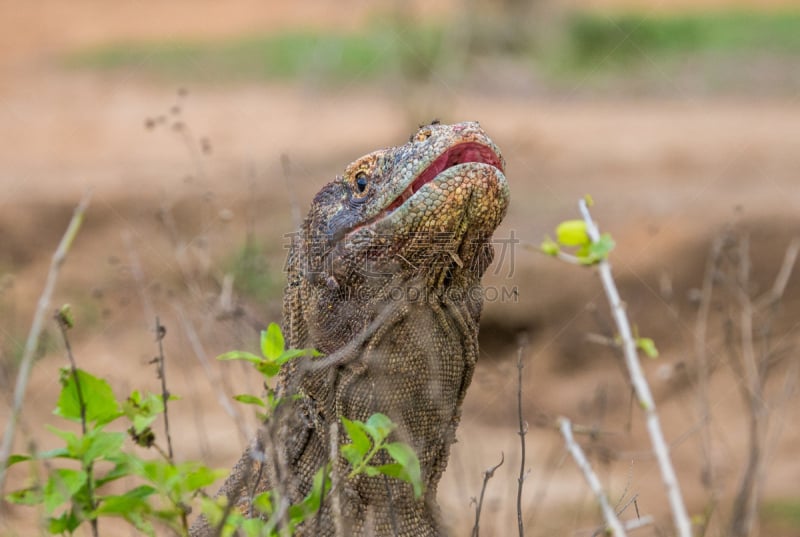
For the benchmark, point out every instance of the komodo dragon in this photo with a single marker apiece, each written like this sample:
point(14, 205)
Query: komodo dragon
point(384, 280)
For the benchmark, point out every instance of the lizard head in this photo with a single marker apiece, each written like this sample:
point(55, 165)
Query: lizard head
point(410, 222)
point(430, 205)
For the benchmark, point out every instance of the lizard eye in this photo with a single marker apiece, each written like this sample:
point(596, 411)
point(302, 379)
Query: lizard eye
point(361, 182)
point(423, 135)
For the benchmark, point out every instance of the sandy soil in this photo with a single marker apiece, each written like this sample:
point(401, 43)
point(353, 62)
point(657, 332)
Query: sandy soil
point(166, 219)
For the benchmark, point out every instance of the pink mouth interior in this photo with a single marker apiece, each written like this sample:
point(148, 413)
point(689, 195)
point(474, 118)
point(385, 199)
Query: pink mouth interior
point(458, 154)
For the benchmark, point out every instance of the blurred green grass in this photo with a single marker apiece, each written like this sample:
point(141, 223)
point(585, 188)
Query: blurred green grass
point(286, 55)
point(581, 42)
point(782, 513)
point(626, 38)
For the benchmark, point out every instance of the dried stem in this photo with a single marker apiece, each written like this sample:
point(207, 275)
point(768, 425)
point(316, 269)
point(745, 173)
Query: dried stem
point(782, 279)
point(641, 388)
point(614, 524)
point(487, 475)
point(161, 331)
point(63, 326)
point(745, 506)
point(32, 342)
point(336, 507)
point(703, 376)
point(523, 430)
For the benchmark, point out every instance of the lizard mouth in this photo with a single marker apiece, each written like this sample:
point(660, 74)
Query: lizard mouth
point(453, 156)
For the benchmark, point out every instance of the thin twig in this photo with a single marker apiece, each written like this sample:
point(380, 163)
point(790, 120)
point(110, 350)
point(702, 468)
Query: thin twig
point(745, 505)
point(64, 325)
point(704, 373)
point(614, 524)
point(392, 514)
point(523, 430)
point(680, 516)
point(336, 508)
point(32, 342)
point(782, 279)
point(487, 475)
point(161, 331)
point(637, 523)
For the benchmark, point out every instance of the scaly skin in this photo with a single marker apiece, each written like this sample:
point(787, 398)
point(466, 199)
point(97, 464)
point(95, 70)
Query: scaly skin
point(384, 280)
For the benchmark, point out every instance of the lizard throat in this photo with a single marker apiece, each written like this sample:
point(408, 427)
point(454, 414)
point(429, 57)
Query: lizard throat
point(457, 154)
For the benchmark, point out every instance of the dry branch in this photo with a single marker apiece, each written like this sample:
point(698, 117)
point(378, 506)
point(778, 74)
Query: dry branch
point(36, 329)
point(523, 430)
point(680, 517)
point(614, 524)
point(487, 475)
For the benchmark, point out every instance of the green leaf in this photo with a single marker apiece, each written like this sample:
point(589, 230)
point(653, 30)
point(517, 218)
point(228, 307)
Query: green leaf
point(62, 485)
point(252, 527)
point(595, 252)
point(647, 346)
point(291, 354)
point(241, 355)
point(379, 426)
point(14, 459)
point(132, 506)
point(98, 398)
point(143, 409)
point(102, 445)
point(133, 500)
point(57, 453)
point(268, 369)
point(359, 439)
point(215, 508)
point(352, 454)
point(372, 471)
point(572, 233)
point(272, 343)
point(600, 249)
point(249, 399)
point(550, 247)
point(408, 460)
point(122, 468)
point(263, 503)
point(313, 501)
point(68, 522)
point(75, 446)
point(201, 476)
point(26, 496)
point(65, 316)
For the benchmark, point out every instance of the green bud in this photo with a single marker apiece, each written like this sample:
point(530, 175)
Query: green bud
point(572, 233)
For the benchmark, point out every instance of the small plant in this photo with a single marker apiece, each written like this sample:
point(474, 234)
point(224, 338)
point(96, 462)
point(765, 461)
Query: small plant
point(367, 439)
point(273, 355)
point(77, 493)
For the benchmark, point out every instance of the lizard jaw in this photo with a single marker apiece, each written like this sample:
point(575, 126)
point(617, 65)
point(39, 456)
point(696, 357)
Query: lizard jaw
point(458, 154)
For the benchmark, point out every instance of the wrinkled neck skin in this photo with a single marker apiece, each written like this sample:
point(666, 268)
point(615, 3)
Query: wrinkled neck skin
point(401, 342)
point(354, 286)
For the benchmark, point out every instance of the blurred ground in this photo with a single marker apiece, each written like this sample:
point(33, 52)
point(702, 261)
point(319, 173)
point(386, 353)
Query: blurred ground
point(174, 207)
